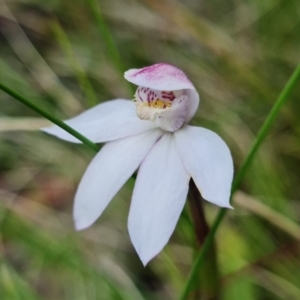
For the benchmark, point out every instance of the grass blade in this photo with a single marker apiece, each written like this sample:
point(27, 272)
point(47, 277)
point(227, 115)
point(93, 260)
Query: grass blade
point(109, 41)
point(81, 76)
point(50, 117)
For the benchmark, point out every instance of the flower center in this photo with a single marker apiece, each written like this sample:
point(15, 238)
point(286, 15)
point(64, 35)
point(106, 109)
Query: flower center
point(168, 109)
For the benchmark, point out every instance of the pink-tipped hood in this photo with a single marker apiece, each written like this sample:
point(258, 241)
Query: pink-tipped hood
point(165, 77)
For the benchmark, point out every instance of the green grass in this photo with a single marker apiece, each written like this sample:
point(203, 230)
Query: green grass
point(63, 56)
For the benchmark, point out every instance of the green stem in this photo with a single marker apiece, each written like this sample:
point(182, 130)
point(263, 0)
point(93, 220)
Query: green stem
point(239, 177)
point(50, 117)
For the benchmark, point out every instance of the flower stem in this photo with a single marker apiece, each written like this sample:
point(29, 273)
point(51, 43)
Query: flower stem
point(50, 117)
point(207, 287)
point(200, 259)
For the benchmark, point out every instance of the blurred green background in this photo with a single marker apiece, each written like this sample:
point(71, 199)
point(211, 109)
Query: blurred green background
point(59, 54)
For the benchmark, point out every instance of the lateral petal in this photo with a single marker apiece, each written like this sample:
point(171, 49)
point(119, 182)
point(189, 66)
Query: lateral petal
point(158, 198)
point(107, 121)
point(107, 173)
point(208, 160)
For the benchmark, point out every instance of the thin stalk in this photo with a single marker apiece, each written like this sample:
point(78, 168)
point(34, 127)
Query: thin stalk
point(207, 285)
point(50, 117)
point(240, 175)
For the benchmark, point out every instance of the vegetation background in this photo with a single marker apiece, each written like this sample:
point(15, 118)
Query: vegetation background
point(61, 54)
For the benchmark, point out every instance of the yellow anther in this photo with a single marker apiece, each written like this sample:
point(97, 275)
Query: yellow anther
point(159, 104)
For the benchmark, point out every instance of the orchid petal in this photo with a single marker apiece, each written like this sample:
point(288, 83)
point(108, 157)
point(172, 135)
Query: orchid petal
point(158, 198)
point(105, 122)
point(208, 160)
point(107, 173)
point(165, 77)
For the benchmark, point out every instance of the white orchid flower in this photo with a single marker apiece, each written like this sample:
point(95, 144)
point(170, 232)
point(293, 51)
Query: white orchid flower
point(150, 133)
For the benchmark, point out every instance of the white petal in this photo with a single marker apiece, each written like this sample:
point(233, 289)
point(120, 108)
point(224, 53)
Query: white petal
point(208, 160)
point(107, 173)
point(165, 77)
point(105, 122)
point(158, 198)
